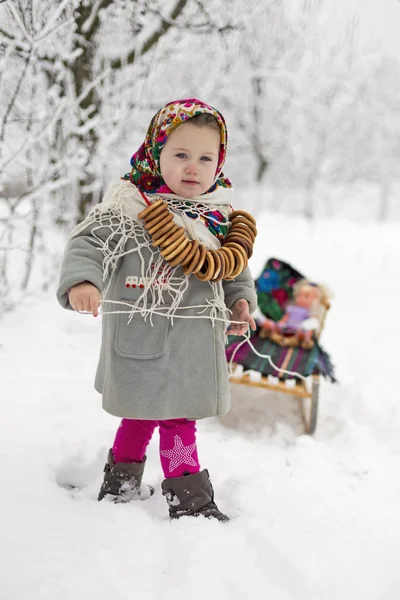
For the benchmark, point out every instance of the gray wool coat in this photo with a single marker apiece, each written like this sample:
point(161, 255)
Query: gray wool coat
point(160, 371)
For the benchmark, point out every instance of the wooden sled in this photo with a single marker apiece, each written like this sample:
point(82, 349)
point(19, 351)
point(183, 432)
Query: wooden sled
point(259, 373)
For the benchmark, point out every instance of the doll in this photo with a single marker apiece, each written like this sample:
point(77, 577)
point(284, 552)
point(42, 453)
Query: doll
point(301, 318)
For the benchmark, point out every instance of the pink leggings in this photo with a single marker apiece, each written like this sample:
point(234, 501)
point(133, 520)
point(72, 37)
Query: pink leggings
point(178, 448)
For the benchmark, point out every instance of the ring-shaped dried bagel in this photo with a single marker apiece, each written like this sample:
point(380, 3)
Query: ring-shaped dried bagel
point(236, 272)
point(167, 228)
point(242, 253)
point(168, 248)
point(223, 260)
point(239, 260)
point(241, 263)
point(149, 209)
point(157, 241)
point(242, 219)
point(192, 264)
point(239, 221)
point(244, 256)
point(244, 223)
point(207, 273)
point(242, 242)
point(180, 257)
point(230, 261)
point(173, 236)
point(243, 234)
point(239, 237)
point(218, 264)
point(241, 225)
point(202, 258)
point(153, 220)
point(177, 250)
point(234, 246)
point(159, 210)
point(194, 247)
point(242, 213)
point(167, 219)
point(227, 266)
point(244, 231)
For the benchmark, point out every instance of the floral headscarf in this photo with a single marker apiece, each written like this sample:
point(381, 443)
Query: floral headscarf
point(145, 173)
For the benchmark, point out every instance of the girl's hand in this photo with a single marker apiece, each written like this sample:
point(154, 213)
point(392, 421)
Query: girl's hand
point(85, 297)
point(240, 312)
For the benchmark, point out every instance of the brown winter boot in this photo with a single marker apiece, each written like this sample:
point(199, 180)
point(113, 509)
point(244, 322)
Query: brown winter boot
point(191, 495)
point(122, 481)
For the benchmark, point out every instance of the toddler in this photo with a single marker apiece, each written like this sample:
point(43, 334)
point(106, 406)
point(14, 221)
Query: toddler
point(166, 257)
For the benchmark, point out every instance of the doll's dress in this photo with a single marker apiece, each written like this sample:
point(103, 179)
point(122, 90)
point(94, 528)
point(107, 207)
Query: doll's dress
point(296, 314)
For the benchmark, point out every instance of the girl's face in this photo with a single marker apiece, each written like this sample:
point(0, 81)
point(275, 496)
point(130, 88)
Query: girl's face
point(189, 159)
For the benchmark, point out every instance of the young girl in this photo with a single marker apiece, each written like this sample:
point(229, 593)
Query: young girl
point(168, 257)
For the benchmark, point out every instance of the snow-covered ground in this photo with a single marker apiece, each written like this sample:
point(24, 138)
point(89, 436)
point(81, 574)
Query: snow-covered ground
point(312, 518)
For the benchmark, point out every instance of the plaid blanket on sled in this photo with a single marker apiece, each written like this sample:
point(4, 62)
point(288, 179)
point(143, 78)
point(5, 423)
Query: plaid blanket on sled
point(298, 360)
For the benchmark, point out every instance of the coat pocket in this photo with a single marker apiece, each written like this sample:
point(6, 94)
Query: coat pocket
point(140, 339)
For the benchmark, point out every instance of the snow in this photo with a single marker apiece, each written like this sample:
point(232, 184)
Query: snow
point(313, 518)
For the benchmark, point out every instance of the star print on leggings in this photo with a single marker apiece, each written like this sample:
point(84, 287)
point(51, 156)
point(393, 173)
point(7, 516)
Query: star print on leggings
point(180, 454)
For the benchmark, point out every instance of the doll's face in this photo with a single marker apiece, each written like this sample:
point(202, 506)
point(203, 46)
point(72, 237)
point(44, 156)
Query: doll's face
point(189, 159)
point(306, 296)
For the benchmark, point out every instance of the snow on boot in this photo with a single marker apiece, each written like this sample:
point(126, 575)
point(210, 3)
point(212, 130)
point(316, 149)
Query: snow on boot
point(191, 495)
point(123, 481)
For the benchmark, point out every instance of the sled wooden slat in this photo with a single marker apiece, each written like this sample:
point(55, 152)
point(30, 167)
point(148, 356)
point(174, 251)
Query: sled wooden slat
point(298, 390)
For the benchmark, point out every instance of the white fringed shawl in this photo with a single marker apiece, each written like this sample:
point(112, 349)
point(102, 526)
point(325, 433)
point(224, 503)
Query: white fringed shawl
point(118, 213)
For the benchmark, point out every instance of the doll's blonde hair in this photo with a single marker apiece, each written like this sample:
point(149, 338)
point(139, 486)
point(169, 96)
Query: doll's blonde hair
point(321, 303)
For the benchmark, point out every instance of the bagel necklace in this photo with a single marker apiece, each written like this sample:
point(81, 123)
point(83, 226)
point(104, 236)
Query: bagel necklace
point(207, 265)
